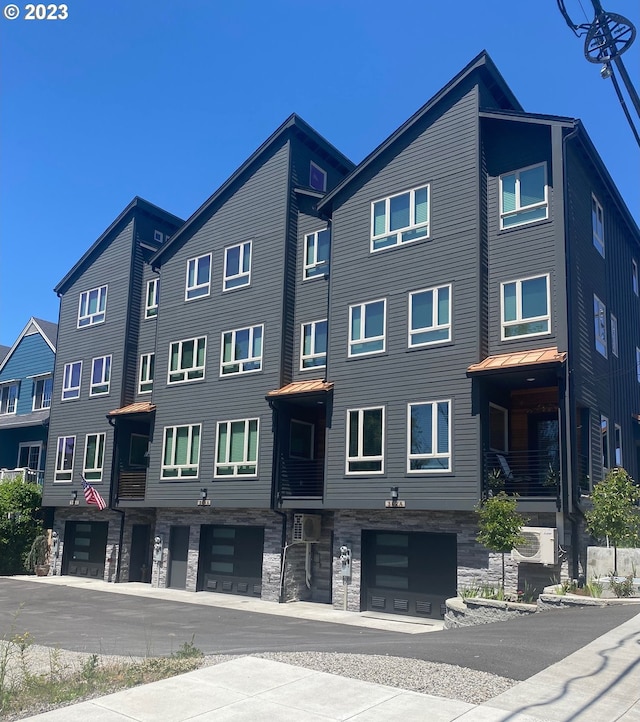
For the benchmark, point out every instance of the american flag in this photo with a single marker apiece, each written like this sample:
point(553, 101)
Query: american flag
point(92, 496)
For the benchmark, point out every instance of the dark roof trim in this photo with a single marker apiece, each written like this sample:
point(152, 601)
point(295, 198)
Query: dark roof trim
point(136, 203)
point(538, 118)
point(482, 60)
point(293, 121)
point(309, 192)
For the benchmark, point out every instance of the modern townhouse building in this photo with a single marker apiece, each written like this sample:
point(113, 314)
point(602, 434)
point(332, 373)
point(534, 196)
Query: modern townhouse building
point(26, 378)
point(341, 359)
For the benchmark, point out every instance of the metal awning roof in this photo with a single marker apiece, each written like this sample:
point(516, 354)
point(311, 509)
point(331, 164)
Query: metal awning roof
point(137, 408)
point(296, 388)
point(520, 359)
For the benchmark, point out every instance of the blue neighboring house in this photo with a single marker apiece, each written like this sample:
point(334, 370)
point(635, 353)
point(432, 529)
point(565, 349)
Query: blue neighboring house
point(26, 382)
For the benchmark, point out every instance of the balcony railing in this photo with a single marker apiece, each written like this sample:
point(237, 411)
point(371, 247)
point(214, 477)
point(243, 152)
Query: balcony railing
point(301, 478)
point(29, 476)
point(132, 484)
point(526, 473)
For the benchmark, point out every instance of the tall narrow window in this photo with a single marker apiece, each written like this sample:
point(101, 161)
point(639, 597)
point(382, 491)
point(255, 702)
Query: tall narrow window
point(94, 457)
point(617, 433)
point(600, 325)
point(604, 433)
point(638, 363)
point(523, 196)
point(614, 335)
point(71, 380)
point(92, 307)
point(100, 376)
point(429, 437)
point(147, 363)
point(597, 224)
point(367, 327)
point(430, 316)
point(187, 360)
point(181, 452)
point(317, 247)
point(237, 448)
point(241, 351)
point(313, 352)
point(400, 218)
point(42, 389)
point(301, 439)
point(198, 277)
point(525, 307)
point(151, 304)
point(237, 266)
point(64, 458)
point(365, 440)
point(635, 284)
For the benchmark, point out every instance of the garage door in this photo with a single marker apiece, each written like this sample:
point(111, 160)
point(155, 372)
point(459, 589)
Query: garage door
point(410, 573)
point(231, 559)
point(85, 545)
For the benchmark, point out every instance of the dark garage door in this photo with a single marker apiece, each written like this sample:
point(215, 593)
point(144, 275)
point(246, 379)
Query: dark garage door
point(85, 545)
point(231, 559)
point(408, 572)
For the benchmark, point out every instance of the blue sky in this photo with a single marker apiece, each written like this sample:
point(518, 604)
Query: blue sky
point(165, 99)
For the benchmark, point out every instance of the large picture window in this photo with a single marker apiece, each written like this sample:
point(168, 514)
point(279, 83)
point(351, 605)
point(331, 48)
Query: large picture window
point(399, 219)
point(429, 437)
point(94, 457)
point(525, 307)
point(187, 360)
point(523, 196)
point(181, 452)
point(430, 316)
point(242, 351)
point(367, 327)
point(237, 448)
point(365, 440)
point(92, 307)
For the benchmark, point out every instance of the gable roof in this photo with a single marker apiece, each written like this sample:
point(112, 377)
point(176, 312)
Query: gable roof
point(4, 350)
point(292, 122)
point(104, 239)
point(481, 63)
point(46, 329)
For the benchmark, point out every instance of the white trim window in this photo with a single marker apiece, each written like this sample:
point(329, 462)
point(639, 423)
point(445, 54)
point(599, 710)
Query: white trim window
point(614, 335)
point(429, 437)
point(42, 391)
point(92, 308)
point(317, 252)
point(313, 345)
point(367, 325)
point(604, 441)
point(638, 364)
point(181, 452)
point(187, 360)
point(600, 325)
point(635, 283)
point(430, 316)
point(400, 218)
point(198, 281)
point(93, 457)
point(498, 428)
point(8, 398)
point(237, 266)
point(100, 376)
point(525, 307)
point(237, 448)
point(65, 452)
point(317, 177)
point(524, 196)
point(71, 380)
point(365, 441)
point(241, 350)
point(145, 378)
point(617, 444)
point(597, 224)
point(153, 296)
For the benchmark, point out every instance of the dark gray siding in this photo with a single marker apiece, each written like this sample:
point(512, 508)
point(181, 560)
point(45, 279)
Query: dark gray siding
point(442, 150)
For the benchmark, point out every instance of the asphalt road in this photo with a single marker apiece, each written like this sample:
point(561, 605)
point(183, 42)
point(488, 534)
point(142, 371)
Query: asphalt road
point(91, 621)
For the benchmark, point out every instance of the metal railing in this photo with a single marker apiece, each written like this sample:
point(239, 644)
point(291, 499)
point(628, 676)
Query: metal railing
point(301, 478)
point(526, 473)
point(29, 476)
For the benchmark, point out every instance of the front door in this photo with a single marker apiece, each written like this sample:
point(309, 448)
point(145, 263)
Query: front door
point(139, 565)
point(85, 545)
point(178, 557)
point(544, 442)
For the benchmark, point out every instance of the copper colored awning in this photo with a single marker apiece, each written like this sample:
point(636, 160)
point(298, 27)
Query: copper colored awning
point(138, 408)
point(313, 386)
point(508, 361)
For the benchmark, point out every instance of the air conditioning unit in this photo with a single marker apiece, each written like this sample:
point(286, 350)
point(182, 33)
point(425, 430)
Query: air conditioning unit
point(306, 527)
point(540, 546)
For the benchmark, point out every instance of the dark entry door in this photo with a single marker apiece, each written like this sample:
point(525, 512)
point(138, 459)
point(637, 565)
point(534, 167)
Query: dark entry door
point(410, 573)
point(544, 442)
point(178, 554)
point(85, 546)
point(231, 559)
point(139, 567)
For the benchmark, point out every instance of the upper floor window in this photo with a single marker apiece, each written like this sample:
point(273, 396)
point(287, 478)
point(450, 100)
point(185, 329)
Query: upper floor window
point(400, 218)
point(138, 450)
point(604, 435)
point(187, 359)
point(614, 335)
point(317, 177)
point(430, 316)
point(523, 196)
point(429, 437)
point(525, 307)
point(365, 440)
point(198, 277)
point(42, 389)
point(638, 364)
point(237, 448)
point(71, 380)
point(145, 380)
point(634, 277)
point(367, 327)
point(181, 452)
point(8, 398)
point(93, 457)
point(151, 304)
point(317, 247)
point(237, 266)
point(313, 351)
point(100, 376)
point(241, 350)
point(600, 325)
point(597, 223)
point(617, 442)
point(301, 439)
point(93, 307)
point(64, 458)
